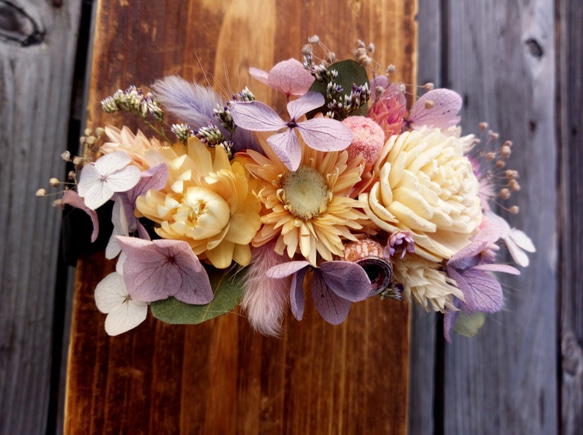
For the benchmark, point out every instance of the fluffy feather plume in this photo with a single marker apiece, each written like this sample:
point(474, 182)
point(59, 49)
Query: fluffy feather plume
point(189, 102)
point(265, 298)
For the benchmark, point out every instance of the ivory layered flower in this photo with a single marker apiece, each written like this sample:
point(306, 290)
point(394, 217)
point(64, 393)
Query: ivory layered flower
point(309, 210)
point(426, 186)
point(207, 202)
point(426, 283)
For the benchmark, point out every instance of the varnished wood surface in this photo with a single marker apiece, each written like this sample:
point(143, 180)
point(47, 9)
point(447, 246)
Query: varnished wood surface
point(37, 49)
point(221, 377)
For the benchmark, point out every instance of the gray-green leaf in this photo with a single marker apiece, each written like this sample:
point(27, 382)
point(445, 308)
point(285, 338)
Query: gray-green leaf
point(228, 291)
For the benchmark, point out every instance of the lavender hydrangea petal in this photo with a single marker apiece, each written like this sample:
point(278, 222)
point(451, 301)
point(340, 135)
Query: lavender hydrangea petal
point(287, 148)
point(331, 307)
point(441, 113)
point(307, 102)
point(286, 269)
point(256, 116)
point(290, 77)
point(324, 134)
point(347, 280)
point(297, 298)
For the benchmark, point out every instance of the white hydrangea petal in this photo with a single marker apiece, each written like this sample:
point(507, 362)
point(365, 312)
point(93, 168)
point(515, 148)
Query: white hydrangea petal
point(124, 179)
point(88, 178)
point(125, 317)
point(110, 293)
point(112, 162)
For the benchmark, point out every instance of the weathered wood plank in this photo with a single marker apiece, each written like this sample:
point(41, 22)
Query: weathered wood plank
point(37, 48)
point(501, 58)
point(220, 377)
point(422, 387)
point(570, 134)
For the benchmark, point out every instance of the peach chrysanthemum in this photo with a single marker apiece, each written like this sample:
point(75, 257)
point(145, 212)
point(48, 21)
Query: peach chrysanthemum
point(136, 145)
point(426, 186)
point(207, 202)
point(309, 210)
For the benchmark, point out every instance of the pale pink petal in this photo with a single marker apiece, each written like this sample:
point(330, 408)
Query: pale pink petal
point(504, 268)
point(304, 104)
point(347, 280)
point(287, 147)
point(438, 108)
point(256, 116)
point(286, 269)
point(259, 75)
point(324, 134)
point(331, 307)
point(73, 199)
point(522, 240)
point(290, 77)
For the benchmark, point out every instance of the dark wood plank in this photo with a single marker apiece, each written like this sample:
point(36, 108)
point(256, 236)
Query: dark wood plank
point(221, 377)
point(37, 48)
point(501, 58)
point(570, 134)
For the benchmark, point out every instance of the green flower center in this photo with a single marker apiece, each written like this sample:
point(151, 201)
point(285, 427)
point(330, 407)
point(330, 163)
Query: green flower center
point(305, 192)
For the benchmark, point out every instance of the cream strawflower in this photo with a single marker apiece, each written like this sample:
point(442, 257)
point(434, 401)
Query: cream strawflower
point(308, 211)
point(426, 186)
point(207, 202)
point(426, 283)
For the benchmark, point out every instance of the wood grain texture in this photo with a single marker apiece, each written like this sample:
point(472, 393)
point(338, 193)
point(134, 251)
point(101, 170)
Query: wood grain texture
point(570, 97)
point(501, 58)
point(424, 392)
point(37, 47)
point(221, 377)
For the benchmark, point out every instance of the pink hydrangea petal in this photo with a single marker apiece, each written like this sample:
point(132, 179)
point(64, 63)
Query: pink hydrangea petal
point(162, 268)
point(287, 147)
point(256, 116)
point(443, 114)
point(347, 280)
point(259, 75)
point(324, 134)
point(331, 307)
point(72, 198)
point(307, 102)
point(290, 77)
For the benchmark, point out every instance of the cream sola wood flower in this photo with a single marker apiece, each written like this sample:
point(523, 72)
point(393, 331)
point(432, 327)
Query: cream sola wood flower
point(207, 202)
point(308, 211)
point(426, 186)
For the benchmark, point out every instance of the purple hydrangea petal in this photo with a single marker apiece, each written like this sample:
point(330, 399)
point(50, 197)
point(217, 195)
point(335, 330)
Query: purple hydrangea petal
point(288, 268)
point(347, 280)
point(331, 307)
point(296, 296)
point(486, 290)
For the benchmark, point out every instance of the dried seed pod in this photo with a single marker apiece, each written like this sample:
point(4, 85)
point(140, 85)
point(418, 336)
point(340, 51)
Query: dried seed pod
point(368, 254)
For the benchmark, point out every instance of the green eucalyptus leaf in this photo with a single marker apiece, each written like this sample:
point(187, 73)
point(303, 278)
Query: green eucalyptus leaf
point(468, 324)
point(228, 289)
point(349, 72)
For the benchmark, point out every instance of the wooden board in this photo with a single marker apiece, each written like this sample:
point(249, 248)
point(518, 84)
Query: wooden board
point(221, 377)
point(570, 134)
point(500, 56)
point(37, 48)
